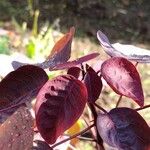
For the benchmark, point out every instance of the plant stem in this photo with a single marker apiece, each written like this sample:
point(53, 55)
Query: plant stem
point(119, 100)
point(141, 108)
point(73, 136)
point(82, 71)
point(136, 64)
point(99, 107)
point(90, 118)
point(99, 144)
point(86, 139)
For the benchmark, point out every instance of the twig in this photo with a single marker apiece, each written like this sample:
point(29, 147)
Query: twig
point(119, 100)
point(85, 121)
point(136, 64)
point(82, 71)
point(83, 138)
point(73, 136)
point(141, 108)
point(86, 139)
point(89, 125)
point(99, 107)
point(99, 144)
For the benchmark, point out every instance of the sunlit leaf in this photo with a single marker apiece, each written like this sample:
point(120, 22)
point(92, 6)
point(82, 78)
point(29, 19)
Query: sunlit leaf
point(62, 49)
point(16, 132)
point(59, 104)
point(73, 130)
point(124, 129)
point(123, 78)
point(60, 53)
point(31, 49)
point(120, 50)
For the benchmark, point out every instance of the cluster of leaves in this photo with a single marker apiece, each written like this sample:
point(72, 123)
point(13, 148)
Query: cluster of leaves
point(61, 101)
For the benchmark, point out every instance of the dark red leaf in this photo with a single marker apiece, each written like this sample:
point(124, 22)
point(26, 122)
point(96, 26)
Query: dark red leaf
point(124, 129)
point(21, 85)
point(59, 104)
point(93, 83)
point(123, 78)
point(73, 63)
point(16, 132)
point(129, 52)
point(74, 71)
point(60, 53)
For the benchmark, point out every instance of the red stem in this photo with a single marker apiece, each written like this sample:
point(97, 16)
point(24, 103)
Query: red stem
point(99, 107)
point(141, 108)
point(99, 144)
point(119, 100)
point(73, 136)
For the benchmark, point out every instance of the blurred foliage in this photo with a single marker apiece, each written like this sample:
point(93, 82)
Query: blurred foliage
point(16, 8)
point(40, 44)
point(4, 45)
point(127, 19)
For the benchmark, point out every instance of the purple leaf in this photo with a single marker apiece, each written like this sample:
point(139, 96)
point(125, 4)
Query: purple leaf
point(59, 104)
point(59, 54)
point(74, 71)
point(123, 78)
point(16, 132)
point(73, 63)
point(124, 129)
point(129, 52)
point(21, 85)
point(93, 83)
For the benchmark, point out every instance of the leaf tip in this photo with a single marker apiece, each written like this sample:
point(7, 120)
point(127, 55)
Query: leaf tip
point(72, 30)
point(103, 39)
point(141, 102)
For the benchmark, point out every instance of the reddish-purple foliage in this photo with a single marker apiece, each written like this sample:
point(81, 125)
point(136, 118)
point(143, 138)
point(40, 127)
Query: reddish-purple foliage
point(59, 104)
point(124, 129)
point(123, 78)
point(73, 63)
point(61, 101)
point(62, 49)
point(16, 132)
point(93, 83)
point(21, 85)
point(60, 53)
point(74, 71)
